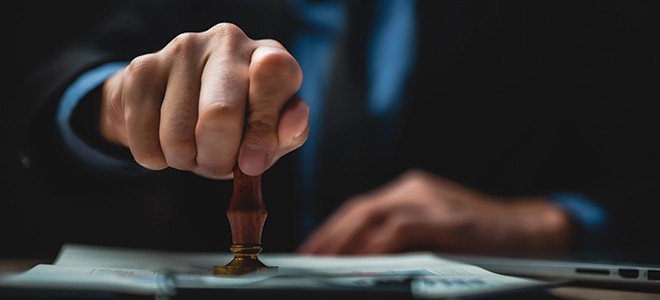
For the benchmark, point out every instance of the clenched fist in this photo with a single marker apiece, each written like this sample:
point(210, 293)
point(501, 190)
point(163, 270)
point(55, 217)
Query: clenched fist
point(207, 101)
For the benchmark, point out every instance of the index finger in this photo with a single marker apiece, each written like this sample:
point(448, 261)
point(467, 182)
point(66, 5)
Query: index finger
point(275, 76)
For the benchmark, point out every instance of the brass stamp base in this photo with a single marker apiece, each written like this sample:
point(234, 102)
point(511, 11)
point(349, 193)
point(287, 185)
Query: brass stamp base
point(246, 260)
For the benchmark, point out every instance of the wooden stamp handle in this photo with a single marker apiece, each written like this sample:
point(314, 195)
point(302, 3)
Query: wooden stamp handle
point(246, 211)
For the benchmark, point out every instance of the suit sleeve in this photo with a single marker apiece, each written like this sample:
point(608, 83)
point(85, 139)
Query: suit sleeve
point(58, 49)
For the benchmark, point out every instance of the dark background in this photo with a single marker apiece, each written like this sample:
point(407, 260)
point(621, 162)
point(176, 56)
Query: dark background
point(535, 96)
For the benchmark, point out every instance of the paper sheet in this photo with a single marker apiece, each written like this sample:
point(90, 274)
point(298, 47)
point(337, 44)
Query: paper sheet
point(152, 272)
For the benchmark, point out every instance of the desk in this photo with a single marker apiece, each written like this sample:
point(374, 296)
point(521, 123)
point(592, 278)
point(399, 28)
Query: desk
point(8, 266)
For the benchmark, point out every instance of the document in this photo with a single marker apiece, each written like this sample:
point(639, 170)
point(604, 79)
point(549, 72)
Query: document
point(134, 271)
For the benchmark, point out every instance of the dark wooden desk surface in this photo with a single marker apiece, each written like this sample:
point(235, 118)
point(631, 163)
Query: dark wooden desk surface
point(8, 266)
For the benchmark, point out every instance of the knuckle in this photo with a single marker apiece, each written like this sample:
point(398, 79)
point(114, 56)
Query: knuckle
point(416, 179)
point(142, 67)
point(220, 114)
point(184, 44)
point(180, 151)
point(272, 43)
point(227, 31)
point(262, 122)
point(359, 203)
point(277, 63)
point(263, 134)
point(414, 174)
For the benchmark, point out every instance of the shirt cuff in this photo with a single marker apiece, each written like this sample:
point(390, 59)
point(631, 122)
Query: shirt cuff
point(71, 98)
point(591, 218)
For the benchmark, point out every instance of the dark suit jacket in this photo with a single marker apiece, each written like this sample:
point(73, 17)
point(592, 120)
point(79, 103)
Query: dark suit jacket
point(508, 97)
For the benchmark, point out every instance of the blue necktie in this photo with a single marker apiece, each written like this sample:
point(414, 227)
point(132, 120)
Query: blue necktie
point(389, 54)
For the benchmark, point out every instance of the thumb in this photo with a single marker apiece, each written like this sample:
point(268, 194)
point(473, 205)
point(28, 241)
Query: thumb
point(275, 76)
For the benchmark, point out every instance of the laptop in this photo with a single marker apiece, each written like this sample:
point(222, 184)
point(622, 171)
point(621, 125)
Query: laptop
point(602, 273)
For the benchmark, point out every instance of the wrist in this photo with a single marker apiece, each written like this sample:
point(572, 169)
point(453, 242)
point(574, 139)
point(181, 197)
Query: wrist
point(547, 229)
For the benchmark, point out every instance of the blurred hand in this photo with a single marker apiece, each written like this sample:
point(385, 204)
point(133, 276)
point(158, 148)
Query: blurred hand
point(420, 211)
point(207, 101)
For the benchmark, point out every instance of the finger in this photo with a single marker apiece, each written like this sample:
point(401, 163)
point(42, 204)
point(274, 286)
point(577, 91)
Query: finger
point(222, 103)
point(312, 244)
point(343, 233)
point(393, 236)
point(274, 78)
point(180, 104)
point(293, 127)
point(112, 125)
point(142, 94)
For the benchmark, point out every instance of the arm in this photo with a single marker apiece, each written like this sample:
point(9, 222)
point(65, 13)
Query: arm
point(78, 61)
point(82, 138)
point(420, 211)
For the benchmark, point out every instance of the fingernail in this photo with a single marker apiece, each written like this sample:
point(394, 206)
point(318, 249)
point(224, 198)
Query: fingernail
point(255, 159)
point(304, 114)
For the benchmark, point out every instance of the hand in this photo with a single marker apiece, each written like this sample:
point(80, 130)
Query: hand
point(420, 211)
point(207, 101)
